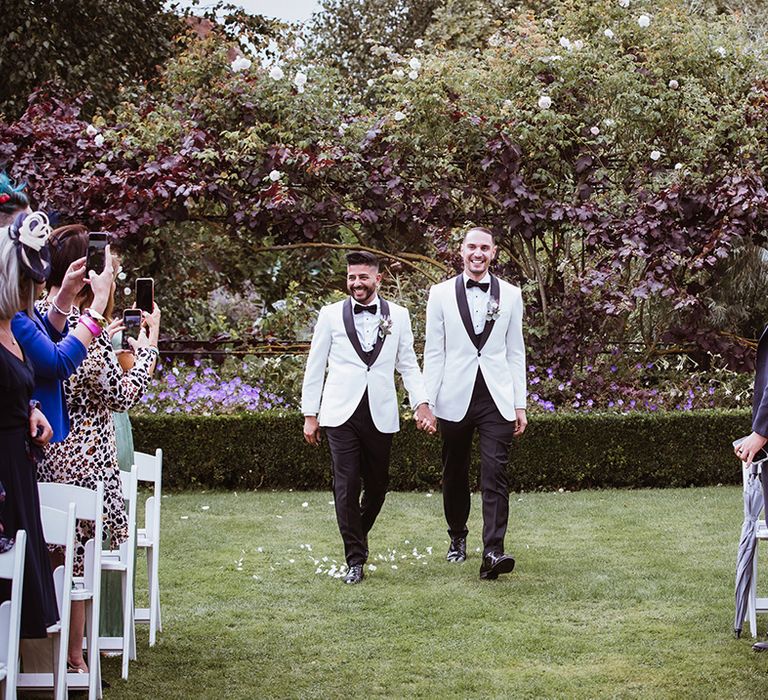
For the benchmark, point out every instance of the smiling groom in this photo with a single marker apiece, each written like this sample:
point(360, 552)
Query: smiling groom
point(474, 371)
point(362, 341)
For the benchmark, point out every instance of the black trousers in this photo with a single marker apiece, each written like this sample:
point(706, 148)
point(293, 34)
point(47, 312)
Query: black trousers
point(360, 456)
point(495, 433)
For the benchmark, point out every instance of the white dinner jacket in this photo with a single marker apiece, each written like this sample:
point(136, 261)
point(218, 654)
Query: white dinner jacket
point(452, 354)
point(336, 345)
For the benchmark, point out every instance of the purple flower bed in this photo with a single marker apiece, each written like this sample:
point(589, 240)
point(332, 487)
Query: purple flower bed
point(204, 390)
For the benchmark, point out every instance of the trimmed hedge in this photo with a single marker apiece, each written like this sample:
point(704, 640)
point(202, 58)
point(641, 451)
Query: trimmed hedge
point(573, 451)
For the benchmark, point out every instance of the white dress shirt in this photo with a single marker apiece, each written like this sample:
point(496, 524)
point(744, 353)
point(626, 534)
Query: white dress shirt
point(477, 300)
point(367, 324)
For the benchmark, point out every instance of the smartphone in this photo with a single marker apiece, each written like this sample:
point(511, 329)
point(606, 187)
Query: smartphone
point(145, 294)
point(760, 456)
point(97, 242)
point(132, 323)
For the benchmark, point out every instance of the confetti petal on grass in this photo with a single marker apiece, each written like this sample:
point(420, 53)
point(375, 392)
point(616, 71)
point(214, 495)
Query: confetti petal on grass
point(184, 517)
point(394, 566)
point(371, 567)
point(205, 507)
point(305, 505)
point(429, 495)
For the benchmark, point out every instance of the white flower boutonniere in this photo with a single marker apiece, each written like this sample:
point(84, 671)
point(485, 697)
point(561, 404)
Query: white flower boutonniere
point(385, 326)
point(493, 310)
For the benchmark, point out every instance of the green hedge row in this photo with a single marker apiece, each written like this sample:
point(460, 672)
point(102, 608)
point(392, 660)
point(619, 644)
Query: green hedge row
point(574, 451)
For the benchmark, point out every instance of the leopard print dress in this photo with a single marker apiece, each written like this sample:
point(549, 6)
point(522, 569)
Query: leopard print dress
point(89, 454)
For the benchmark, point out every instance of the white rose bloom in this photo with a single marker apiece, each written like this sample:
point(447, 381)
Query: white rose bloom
point(594, 131)
point(370, 82)
point(276, 73)
point(398, 73)
point(300, 80)
point(414, 63)
point(548, 23)
point(609, 122)
point(655, 155)
point(507, 104)
point(275, 175)
point(555, 57)
point(565, 43)
point(399, 116)
point(578, 44)
point(644, 21)
point(545, 102)
point(678, 166)
point(673, 84)
point(721, 50)
point(99, 140)
point(239, 64)
point(91, 130)
point(624, 3)
point(608, 34)
point(418, 43)
point(127, 291)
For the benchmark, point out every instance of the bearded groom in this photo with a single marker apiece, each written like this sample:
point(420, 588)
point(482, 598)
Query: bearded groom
point(362, 341)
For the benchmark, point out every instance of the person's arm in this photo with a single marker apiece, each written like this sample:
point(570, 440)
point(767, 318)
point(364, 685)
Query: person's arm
point(434, 347)
point(516, 361)
point(64, 298)
point(314, 377)
point(408, 367)
point(50, 360)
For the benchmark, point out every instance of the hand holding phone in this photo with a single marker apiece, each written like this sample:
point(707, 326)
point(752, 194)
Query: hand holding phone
point(96, 256)
point(132, 326)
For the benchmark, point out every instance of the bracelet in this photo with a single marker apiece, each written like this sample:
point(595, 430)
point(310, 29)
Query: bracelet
point(154, 350)
point(100, 321)
point(58, 310)
point(90, 324)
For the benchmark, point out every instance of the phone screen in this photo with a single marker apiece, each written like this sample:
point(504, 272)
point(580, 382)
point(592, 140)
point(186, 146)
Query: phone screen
point(132, 323)
point(145, 294)
point(97, 242)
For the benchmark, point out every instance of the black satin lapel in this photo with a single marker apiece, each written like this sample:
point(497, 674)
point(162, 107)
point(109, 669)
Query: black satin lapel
point(349, 326)
point(379, 344)
point(489, 324)
point(461, 301)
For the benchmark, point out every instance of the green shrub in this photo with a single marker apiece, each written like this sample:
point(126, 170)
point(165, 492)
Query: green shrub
point(573, 451)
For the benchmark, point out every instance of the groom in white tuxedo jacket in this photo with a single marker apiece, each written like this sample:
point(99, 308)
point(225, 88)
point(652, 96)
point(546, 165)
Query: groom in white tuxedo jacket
point(474, 372)
point(361, 341)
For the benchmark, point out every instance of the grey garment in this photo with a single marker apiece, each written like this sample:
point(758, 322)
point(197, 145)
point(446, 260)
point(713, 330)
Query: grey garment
point(753, 504)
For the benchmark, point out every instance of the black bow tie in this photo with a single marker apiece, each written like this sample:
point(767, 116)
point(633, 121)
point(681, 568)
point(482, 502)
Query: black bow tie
point(359, 308)
point(482, 286)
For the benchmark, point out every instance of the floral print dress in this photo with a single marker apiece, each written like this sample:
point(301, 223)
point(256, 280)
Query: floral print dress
point(88, 454)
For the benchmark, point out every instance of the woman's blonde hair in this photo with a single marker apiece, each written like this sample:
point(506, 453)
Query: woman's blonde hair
point(17, 292)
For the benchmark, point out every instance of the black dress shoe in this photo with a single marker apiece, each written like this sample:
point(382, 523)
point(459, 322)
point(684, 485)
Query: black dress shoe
point(495, 564)
point(355, 574)
point(457, 552)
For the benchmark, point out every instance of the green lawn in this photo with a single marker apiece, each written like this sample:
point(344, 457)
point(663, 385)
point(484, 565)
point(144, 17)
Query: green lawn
point(616, 594)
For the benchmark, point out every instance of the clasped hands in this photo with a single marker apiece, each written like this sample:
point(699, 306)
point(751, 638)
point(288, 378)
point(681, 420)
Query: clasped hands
point(425, 419)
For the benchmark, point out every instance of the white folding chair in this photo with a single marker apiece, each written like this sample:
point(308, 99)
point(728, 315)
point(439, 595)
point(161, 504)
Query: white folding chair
point(87, 588)
point(755, 605)
point(59, 529)
point(12, 568)
point(150, 469)
point(123, 560)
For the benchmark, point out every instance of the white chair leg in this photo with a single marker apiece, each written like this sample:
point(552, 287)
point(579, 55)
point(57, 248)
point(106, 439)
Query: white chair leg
point(154, 598)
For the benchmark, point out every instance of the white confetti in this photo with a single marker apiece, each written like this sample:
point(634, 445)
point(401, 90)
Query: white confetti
point(205, 507)
point(305, 505)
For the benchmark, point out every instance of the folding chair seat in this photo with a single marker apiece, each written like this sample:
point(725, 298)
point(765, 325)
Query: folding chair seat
point(86, 588)
point(12, 568)
point(123, 561)
point(150, 469)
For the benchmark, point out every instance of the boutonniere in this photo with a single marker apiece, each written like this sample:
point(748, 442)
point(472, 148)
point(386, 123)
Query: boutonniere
point(493, 310)
point(385, 326)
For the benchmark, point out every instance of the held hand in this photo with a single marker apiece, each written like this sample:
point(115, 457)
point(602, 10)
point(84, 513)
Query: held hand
point(39, 428)
point(115, 327)
point(520, 422)
point(71, 285)
point(152, 322)
point(312, 430)
point(101, 284)
point(425, 419)
point(751, 445)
